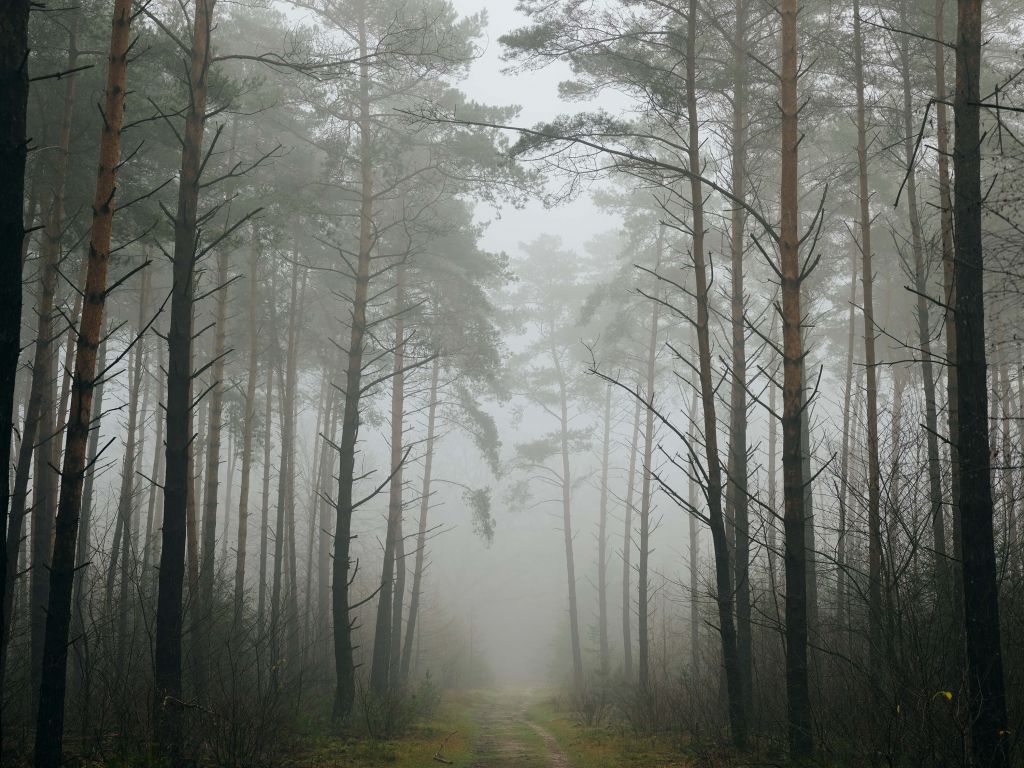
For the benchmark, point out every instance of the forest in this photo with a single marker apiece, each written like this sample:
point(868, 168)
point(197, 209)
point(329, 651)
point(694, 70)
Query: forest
point(506, 384)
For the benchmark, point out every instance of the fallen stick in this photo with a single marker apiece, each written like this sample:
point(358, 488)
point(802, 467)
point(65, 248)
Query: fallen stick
point(438, 756)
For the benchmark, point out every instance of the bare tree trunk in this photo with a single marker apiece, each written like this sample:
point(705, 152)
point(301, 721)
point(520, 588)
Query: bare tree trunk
point(627, 548)
point(643, 640)
point(421, 535)
point(152, 523)
point(268, 419)
point(867, 277)
point(345, 691)
point(602, 539)
point(844, 455)
point(736, 493)
point(570, 562)
point(383, 674)
point(986, 691)
point(924, 332)
point(801, 744)
point(949, 296)
point(719, 538)
point(694, 554)
point(47, 457)
point(84, 409)
point(167, 654)
point(13, 150)
point(202, 607)
point(247, 432)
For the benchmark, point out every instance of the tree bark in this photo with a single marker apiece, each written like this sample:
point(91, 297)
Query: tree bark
point(797, 689)
point(344, 696)
point(421, 534)
point(924, 332)
point(383, 674)
point(84, 409)
point(719, 538)
point(736, 494)
point(643, 640)
point(570, 561)
point(986, 692)
point(867, 278)
point(268, 423)
point(627, 549)
point(167, 653)
point(602, 539)
point(247, 433)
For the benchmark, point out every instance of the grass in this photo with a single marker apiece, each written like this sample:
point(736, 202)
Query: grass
point(452, 725)
point(608, 746)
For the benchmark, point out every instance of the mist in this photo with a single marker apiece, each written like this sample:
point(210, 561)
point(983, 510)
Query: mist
point(573, 383)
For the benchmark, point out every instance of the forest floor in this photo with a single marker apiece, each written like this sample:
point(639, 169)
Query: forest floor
point(502, 728)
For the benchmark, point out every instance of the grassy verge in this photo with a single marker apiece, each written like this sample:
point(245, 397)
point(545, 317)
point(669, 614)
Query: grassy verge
point(452, 724)
point(607, 746)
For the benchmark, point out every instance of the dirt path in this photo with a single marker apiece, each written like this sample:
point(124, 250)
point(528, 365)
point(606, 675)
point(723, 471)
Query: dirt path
point(508, 740)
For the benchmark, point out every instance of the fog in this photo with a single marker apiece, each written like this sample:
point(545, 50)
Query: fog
point(502, 384)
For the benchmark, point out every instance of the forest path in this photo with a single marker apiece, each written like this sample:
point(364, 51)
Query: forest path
point(507, 739)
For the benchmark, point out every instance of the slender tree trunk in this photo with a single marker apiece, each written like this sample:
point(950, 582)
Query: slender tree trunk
point(13, 150)
point(383, 674)
point(202, 607)
point(694, 554)
point(736, 494)
point(719, 538)
point(421, 534)
point(602, 538)
point(986, 692)
point(152, 524)
point(924, 331)
point(627, 548)
point(47, 457)
point(570, 562)
point(797, 688)
point(167, 653)
point(867, 277)
point(84, 409)
point(343, 664)
point(844, 455)
point(247, 433)
point(643, 640)
point(268, 418)
point(949, 295)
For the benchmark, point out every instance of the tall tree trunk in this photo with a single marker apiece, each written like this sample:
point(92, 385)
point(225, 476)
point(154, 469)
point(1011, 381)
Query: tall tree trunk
point(13, 150)
point(867, 277)
point(627, 548)
point(84, 410)
point(719, 538)
point(247, 432)
point(602, 538)
point(152, 524)
point(383, 674)
point(736, 494)
point(47, 456)
point(570, 561)
point(949, 296)
point(268, 419)
point(643, 585)
point(939, 565)
point(797, 687)
point(986, 691)
point(421, 534)
point(202, 607)
point(122, 556)
point(844, 454)
point(694, 542)
point(167, 653)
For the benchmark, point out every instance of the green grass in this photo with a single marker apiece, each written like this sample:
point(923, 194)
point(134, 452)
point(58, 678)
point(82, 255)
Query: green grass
point(452, 724)
point(607, 746)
